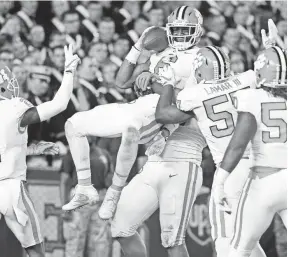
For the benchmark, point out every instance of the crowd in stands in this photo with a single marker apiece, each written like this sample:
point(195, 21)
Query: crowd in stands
point(33, 33)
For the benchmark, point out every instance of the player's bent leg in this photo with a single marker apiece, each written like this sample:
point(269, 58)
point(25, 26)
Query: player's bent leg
point(180, 186)
point(133, 246)
point(137, 203)
point(85, 193)
point(125, 159)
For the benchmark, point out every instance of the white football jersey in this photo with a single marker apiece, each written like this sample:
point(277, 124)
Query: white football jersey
point(180, 63)
point(212, 103)
point(269, 145)
point(13, 139)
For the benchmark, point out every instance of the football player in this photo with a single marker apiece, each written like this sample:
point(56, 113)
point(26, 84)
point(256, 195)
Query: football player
point(212, 102)
point(169, 181)
point(16, 114)
point(262, 120)
point(135, 121)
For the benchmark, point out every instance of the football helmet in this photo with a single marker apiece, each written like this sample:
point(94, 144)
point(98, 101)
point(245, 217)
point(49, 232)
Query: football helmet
point(9, 87)
point(271, 68)
point(211, 63)
point(184, 27)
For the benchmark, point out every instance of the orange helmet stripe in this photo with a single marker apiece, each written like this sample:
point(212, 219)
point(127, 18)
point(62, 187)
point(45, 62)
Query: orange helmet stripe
point(283, 64)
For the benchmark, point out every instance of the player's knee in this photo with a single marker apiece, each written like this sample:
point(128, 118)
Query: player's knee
point(119, 230)
point(131, 135)
point(71, 126)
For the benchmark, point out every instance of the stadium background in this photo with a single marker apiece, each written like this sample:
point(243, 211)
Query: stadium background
point(32, 36)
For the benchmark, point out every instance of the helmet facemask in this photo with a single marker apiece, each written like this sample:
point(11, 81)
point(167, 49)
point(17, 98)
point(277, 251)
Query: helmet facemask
point(12, 85)
point(182, 35)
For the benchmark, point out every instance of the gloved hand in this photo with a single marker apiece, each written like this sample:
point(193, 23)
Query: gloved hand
point(270, 40)
point(71, 60)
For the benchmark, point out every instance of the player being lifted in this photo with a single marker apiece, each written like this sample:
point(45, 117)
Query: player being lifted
point(16, 114)
point(134, 121)
point(262, 120)
point(211, 101)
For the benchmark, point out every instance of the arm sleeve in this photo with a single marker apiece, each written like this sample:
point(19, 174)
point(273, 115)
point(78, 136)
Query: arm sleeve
point(186, 100)
point(60, 101)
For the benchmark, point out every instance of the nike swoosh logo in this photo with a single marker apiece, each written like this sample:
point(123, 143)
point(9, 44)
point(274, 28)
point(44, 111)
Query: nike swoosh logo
point(170, 176)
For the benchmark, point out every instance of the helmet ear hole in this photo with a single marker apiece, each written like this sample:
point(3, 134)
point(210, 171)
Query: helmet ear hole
point(2, 90)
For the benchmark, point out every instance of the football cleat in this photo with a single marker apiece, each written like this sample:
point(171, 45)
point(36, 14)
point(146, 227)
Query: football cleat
point(109, 205)
point(84, 195)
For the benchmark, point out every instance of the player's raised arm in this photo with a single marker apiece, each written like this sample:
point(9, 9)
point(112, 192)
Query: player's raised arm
point(166, 112)
point(60, 101)
point(129, 69)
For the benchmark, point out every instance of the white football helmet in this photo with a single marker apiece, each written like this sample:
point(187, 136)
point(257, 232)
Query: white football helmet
point(271, 68)
point(184, 28)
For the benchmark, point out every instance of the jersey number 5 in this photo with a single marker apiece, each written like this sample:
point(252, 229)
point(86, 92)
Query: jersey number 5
point(218, 116)
point(266, 109)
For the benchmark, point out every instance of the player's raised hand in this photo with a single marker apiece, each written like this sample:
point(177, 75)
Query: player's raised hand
point(270, 39)
point(71, 60)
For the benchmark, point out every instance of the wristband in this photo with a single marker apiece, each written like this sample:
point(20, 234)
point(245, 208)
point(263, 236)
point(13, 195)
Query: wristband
point(133, 55)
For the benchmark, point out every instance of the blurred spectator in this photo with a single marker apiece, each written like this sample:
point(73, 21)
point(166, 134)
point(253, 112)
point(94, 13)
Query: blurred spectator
point(92, 20)
point(6, 58)
point(248, 52)
point(57, 57)
point(244, 23)
point(85, 233)
point(139, 25)
point(71, 21)
point(56, 39)
point(216, 26)
point(130, 11)
point(107, 32)
point(237, 62)
point(99, 53)
point(231, 40)
point(58, 9)
point(156, 17)
point(27, 15)
point(19, 48)
point(36, 39)
point(121, 48)
point(5, 7)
